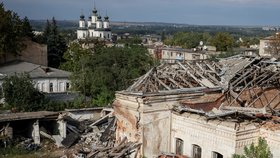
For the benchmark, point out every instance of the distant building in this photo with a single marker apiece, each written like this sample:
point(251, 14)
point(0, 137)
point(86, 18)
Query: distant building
point(170, 55)
point(95, 27)
point(46, 79)
point(265, 45)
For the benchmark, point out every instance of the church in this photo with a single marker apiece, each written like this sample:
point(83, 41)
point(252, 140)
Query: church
point(95, 27)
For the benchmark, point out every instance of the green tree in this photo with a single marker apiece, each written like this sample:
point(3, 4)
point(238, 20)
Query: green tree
point(26, 28)
point(130, 41)
point(163, 37)
point(20, 94)
point(101, 71)
point(55, 42)
point(222, 41)
point(187, 39)
point(261, 150)
point(11, 36)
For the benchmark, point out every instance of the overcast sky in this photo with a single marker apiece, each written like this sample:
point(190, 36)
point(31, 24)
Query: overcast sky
point(201, 12)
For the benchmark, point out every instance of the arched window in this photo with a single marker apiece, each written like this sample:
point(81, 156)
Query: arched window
point(196, 151)
point(216, 155)
point(179, 146)
point(51, 87)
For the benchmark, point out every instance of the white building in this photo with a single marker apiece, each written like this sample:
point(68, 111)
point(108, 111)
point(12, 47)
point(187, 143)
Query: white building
point(171, 55)
point(269, 46)
point(181, 109)
point(95, 27)
point(46, 79)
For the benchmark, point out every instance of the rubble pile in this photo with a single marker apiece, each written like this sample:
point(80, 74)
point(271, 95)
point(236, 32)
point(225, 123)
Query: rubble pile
point(123, 149)
point(86, 139)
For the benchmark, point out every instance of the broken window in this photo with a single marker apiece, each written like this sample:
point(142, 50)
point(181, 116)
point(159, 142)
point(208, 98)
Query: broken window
point(179, 146)
point(196, 151)
point(216, 155)
point(51, 87)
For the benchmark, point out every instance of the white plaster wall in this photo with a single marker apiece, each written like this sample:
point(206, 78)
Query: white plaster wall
point(153, 119)
point(273, 140)
point(93, 19)
point(99, 24)
point(89, 23)
point(245, 136)
point(91, 33)
point(188, 56)
point(82, 23)
point(156, 133)
point(106, 24)
point(210, 136)
point(263, 46)
point(159, 129)
point(59, 84)
point(108, 35)
point(82, 34)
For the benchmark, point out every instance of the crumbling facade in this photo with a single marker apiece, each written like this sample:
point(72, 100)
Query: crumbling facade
point(202, 109)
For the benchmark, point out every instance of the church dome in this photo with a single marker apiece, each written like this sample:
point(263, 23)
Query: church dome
point(94, 11)
point(106, 18)
point(82, 17)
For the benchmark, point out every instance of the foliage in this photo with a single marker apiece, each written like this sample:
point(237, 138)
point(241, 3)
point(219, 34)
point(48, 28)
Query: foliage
point(261, 150)
point(247, 41)
point(101, 71)
point(20, 94)
point(27, 28)
point(130, 41)
point(56, 45)
point(15, 151)
point(187, 39)
point(77, 103)
point(11, 32)
point(222, 41)
point(55, 42)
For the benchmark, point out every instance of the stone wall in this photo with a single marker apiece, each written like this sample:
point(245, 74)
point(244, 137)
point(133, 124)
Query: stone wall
point(34, 53)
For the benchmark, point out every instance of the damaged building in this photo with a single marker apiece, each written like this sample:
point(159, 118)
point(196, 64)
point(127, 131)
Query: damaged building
point(202, 109)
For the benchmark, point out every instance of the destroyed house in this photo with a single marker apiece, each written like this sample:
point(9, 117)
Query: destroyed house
point(31, 125)
point(202, 109)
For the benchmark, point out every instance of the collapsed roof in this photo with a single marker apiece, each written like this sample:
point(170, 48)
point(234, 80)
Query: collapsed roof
point(245, 83)
point(177, 76)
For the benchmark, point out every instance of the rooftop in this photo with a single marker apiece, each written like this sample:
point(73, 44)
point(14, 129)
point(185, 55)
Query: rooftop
point(34, 70)
point(28, 116)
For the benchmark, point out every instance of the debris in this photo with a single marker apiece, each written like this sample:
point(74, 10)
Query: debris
point(44, 134)
point(70, 140)
point(58, 139)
